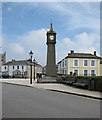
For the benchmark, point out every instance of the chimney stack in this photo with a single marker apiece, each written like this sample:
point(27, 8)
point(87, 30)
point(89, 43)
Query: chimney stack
point(72, 51)
point(13, 60)
point(95, 53)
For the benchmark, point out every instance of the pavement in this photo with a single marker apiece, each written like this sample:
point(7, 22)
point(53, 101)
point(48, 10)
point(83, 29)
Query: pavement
point(57, 87)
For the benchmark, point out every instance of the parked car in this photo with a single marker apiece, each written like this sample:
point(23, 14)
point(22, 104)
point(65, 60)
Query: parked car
point(6, 76)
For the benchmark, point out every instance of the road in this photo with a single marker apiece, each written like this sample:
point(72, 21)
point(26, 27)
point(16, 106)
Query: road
point(26, 102)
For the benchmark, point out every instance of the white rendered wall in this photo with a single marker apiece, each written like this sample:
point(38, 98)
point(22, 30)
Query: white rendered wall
point(10, 69)
point(15, 68)
point(3, 68)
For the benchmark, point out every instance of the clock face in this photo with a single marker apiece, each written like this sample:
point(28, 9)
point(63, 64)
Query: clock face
point(51, 37)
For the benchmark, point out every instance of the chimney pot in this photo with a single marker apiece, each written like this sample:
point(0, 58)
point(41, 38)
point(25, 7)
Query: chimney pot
point(72, 51)
point(95, 53)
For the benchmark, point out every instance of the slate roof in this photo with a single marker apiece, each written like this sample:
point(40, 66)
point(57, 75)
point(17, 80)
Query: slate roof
point(21, 62)
point(81, 55)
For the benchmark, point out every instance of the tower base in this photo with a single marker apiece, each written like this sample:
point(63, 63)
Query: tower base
point(47, 79)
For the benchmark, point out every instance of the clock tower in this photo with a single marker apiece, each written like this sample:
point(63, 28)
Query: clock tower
point(51, 55)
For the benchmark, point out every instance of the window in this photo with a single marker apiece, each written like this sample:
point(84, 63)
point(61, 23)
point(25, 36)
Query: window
point(65, 71)
point(65, 62)
point(92, 72)
point(92, 62)
point(75, 62)
point(85, 72)
point(75, 72)
point(60, 65)
point(85, 62)
point(17, 67)
point(22, 67)
point(13, 67)
point(5, 67)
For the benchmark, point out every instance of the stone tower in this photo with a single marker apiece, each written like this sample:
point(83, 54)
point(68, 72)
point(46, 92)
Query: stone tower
point(51, 54)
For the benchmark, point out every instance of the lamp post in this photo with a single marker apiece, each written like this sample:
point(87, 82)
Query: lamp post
point(31, 54)
point(34, 69)
point(22, 73)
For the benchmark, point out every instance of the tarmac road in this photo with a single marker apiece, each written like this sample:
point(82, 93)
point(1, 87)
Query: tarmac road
point(26, 102)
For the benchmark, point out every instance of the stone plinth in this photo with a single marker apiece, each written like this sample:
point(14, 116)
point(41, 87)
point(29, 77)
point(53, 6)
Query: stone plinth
point(47, 79)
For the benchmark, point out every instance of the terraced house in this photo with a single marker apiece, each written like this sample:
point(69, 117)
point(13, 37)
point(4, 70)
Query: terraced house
point(83, 64)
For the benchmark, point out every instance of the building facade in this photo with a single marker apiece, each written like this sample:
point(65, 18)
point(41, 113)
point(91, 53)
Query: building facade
point(21, 68)
point(81, 64)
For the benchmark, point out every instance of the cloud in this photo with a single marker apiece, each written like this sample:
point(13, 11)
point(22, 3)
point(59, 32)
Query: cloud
point(9, 8)
point(80, 43)
point(36, 41)
point(16, 50)
point(33, 40)
point(13, 50)
point(77, 15)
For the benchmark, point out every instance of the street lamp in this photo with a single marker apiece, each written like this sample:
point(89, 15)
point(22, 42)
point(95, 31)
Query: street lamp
point(31, 54)
point(34, 69)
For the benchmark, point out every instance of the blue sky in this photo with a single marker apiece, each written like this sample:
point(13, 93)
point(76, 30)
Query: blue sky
point(24, 26)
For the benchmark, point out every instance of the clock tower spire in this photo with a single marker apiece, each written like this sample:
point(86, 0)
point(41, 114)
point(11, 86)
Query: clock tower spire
point(51, 29)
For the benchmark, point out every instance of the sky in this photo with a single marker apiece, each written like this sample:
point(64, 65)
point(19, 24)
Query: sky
point(24, 27)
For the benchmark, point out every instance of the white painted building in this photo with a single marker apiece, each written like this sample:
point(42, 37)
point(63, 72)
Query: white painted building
point(20, 68)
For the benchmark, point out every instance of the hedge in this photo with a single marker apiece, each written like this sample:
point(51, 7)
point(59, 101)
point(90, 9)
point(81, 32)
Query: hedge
point(97, 80)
